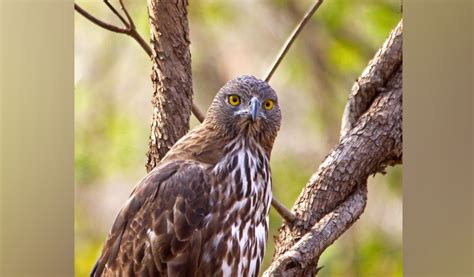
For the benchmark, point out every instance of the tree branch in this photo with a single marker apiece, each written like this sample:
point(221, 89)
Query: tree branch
point(374, 142)
point(99, 22)
point(287, 215)
point(129, 18)
point(112, 8)
point(292, 38)
point(131, 31)
point(365, 89)
point(319, 237)
point(197, 113)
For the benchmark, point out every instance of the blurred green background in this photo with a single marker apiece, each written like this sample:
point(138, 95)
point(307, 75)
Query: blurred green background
point(230, 38)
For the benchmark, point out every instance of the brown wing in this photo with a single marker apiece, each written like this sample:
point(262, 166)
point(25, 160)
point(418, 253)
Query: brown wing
point(158, 231)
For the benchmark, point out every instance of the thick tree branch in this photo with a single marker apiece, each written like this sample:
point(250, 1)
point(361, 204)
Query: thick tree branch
point(292, 38)
point(365, 89)
point(325, 232)
point(374, 142)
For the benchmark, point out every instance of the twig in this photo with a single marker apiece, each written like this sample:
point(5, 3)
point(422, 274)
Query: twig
point(130, 20)
point(197, 113)
point(287, 215)
point(112, 8)
point(130, 30)
point(134, 34)
point(292, 38)
point(99, 22)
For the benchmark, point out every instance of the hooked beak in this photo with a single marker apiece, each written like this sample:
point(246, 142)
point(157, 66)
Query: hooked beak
point(254, 108)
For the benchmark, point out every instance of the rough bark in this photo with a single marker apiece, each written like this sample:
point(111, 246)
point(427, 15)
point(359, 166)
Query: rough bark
point(312, 244)
point(171, 76)
point(375, 75)
point(336, 195)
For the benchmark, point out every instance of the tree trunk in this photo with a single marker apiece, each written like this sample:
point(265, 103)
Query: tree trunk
point(171, 76)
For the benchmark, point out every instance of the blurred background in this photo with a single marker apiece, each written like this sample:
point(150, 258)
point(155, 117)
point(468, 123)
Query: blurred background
point(230, 38)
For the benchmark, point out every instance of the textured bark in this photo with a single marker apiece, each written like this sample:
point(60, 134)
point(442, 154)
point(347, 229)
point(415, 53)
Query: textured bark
point(336, 194)
point(375, 75)
point(313, 243)
point(171, 76)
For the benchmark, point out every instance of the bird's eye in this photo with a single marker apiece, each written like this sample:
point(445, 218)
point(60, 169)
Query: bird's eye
point(268, 104)
point(234, 100)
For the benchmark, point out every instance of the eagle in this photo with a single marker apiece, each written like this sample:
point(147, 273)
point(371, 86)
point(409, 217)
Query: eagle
point(203, 210)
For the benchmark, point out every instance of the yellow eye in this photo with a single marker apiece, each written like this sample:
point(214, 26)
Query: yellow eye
point(268, 104)
point(234, 100)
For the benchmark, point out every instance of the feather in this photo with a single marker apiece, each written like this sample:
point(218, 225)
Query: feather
point(203, 211)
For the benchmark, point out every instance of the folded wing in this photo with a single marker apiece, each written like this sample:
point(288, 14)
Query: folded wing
point(159, 230)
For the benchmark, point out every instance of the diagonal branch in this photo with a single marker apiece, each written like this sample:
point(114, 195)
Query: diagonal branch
point(292, 38)
point(320, 236)
point(365, 89)
point(326, 208)
point(287, 215)
point(374, 142)
point(197, 113)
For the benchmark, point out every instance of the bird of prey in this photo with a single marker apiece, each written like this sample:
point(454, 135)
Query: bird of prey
point(203, 210)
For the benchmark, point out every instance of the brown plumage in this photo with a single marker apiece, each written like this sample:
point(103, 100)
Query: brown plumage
point(203, 211)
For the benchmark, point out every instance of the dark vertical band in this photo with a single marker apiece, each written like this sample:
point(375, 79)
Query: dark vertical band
point(36, 138)
point(438, 138)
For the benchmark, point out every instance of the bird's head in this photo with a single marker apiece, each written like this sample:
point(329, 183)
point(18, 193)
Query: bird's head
point(247, 106)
